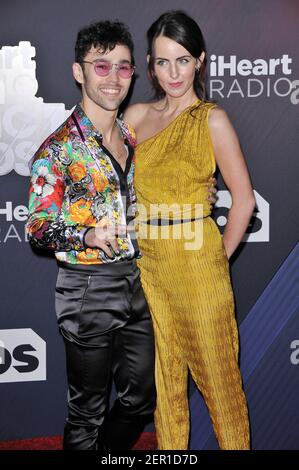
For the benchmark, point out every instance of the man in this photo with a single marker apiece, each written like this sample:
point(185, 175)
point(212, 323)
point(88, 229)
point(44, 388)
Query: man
point(81, 200)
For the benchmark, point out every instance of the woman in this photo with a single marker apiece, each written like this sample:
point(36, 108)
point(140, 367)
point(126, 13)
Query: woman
point(180, 139)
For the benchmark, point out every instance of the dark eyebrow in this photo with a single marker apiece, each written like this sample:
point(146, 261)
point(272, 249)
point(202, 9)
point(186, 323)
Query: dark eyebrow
point(124, 61)
point(177, 58)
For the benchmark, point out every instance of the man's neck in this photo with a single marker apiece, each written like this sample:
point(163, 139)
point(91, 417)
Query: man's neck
point(102, 120)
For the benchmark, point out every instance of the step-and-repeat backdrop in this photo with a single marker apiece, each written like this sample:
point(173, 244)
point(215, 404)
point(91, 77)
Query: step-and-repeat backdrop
point(254, 74)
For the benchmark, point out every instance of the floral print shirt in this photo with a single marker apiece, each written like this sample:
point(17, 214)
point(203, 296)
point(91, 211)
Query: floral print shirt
point(76, 184)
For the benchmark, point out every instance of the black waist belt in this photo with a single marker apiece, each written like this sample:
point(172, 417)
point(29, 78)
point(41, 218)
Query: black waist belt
point(160, 222)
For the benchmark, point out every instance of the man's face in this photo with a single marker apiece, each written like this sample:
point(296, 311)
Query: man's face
point(109, 91)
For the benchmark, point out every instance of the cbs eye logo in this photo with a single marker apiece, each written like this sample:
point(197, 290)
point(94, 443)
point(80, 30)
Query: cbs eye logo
point(22, 356)
point(259, 225)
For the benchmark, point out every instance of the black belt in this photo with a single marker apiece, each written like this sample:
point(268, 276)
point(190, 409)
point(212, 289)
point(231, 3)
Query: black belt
point(162, 222)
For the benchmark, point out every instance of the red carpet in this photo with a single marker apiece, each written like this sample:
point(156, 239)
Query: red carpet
point(147, 441)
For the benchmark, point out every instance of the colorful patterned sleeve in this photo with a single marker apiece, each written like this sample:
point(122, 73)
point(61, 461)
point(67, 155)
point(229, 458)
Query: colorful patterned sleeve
point(130, 131)
point(46, 227)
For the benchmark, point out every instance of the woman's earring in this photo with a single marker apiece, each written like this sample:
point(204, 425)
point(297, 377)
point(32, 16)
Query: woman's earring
point(197, 68)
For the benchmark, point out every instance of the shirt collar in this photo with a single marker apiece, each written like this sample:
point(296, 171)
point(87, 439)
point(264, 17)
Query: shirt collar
point(86, 128)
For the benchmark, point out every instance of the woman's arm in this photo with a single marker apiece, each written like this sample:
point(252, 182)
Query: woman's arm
point(231, 163)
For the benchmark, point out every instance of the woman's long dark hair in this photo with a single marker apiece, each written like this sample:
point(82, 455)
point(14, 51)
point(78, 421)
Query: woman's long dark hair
point(179, 27)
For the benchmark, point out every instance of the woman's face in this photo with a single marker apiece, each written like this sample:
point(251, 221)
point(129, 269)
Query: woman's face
point(174, 67)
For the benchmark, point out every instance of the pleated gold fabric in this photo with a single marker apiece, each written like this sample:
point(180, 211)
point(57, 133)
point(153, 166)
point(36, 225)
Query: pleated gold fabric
point(188, 287)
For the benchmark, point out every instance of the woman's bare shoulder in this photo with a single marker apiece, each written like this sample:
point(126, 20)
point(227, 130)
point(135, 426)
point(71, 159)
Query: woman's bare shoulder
point(135, 113)
point(217, 117)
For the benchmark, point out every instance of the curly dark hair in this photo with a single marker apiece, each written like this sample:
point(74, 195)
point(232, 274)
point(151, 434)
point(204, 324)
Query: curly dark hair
point(179, 27)
point(104, 35)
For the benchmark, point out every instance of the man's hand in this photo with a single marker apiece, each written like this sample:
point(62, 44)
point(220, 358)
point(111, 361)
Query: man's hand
point(212, 190)
point(105, 238)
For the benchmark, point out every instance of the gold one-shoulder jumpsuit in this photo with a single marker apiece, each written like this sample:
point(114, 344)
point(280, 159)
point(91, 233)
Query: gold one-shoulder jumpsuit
point(188, 286)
